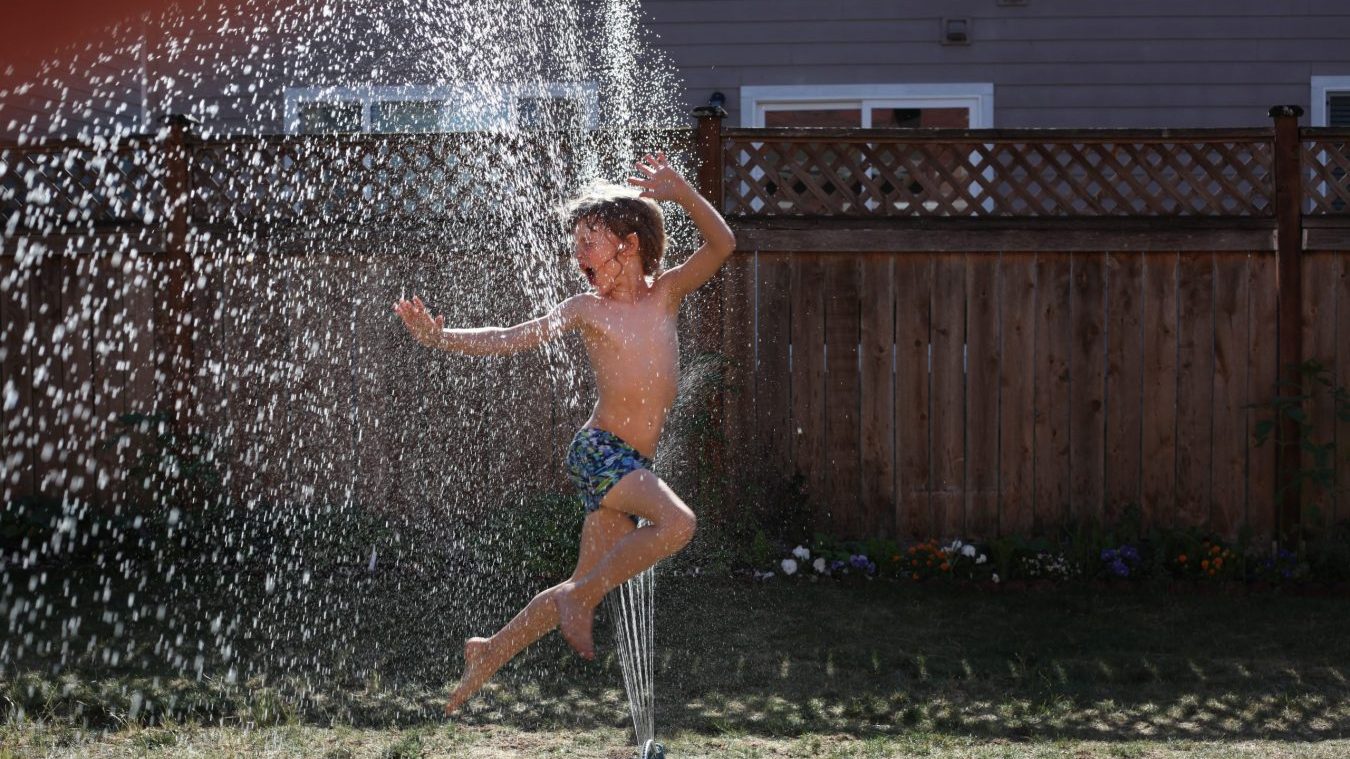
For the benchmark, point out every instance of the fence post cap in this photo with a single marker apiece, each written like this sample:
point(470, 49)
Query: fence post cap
point(1276, 111)
point(710, 112)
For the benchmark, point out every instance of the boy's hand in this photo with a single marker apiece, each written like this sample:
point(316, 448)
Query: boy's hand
point(424, 328)
point(660, 181)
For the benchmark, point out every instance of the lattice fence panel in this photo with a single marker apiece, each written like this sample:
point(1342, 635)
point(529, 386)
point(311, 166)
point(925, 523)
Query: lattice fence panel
point(800, 177)
point(1326, 179)
point(65, 188)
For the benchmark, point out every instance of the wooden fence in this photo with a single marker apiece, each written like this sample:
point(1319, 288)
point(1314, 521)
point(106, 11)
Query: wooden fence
point(943, 332)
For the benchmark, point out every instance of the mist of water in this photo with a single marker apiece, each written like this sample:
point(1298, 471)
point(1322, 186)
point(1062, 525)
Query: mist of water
point(317, 523)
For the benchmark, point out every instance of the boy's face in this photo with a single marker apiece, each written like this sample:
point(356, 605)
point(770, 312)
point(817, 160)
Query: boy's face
point(599, 254)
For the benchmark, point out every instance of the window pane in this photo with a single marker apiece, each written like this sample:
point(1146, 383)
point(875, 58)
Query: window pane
point(548, 113)
point(932, 118)
point(407, 116)
point(1338, 109)
point(831, 117)
point(330, 117)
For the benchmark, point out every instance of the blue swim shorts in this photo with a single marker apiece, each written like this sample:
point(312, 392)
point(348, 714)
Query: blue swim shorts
point(597, 460)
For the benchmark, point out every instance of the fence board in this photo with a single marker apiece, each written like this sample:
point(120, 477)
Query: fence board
point(808, 378)
point(16, 385)
point(842, 433)
point(738, 335)
point(1017, 314)
point(1124, 354)
point(1195, 385)
point(1229, 501)
point(376, 324)
point(78, 321)
point(1319, 343)
point(913, 418)
point(778, 425)
point(1160, 388)
point(1087, 386)
point(1262, 363)
point(948, 337)
point(1342, 379)
point(878, 396)
point(1054, 335)
point(43, 309)
point(982, 398)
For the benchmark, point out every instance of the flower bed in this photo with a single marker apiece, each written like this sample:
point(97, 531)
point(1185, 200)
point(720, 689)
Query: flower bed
point(1181, 561)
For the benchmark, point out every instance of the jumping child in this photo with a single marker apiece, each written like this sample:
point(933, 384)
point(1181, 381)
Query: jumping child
point(628, 324)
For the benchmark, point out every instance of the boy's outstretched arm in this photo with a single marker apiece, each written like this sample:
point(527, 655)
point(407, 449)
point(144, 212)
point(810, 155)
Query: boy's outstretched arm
point(487, 341)
point(661, 182)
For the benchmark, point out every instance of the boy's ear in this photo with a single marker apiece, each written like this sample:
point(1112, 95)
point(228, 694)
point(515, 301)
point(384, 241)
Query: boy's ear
point(630, 243)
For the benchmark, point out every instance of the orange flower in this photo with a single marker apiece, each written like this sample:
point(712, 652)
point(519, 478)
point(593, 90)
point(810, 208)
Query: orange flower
point(1218, 563)
point(1182, 558)
point(1214, 550)
point(946, 566)
point(915, 575)
point(895, 557)
point(1204, 564)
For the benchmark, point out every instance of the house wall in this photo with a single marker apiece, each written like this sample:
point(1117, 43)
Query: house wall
point(1053, 63)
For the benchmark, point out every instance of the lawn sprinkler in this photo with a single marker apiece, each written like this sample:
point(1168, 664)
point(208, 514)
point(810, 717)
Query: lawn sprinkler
point(653, 750)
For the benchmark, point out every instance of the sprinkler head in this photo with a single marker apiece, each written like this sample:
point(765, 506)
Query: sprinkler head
point(653, 750)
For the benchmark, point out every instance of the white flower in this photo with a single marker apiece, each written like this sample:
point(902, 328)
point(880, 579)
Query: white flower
point(801, 553)
point(996, 577)
point(982, 559)
point(819, 564)
point(789, 567)
point(968, 550)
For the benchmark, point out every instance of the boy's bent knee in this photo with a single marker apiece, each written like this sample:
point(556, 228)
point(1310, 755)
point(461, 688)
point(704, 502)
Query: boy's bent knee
point(681, 528)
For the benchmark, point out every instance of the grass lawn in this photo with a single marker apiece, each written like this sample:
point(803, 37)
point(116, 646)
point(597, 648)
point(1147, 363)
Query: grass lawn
point(781, 669)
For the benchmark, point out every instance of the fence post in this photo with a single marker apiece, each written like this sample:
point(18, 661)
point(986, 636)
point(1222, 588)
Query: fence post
point(708, 147)
point(1288, 175)
point(173, 304)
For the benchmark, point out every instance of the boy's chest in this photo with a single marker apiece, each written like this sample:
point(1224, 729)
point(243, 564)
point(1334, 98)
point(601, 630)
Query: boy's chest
point(635, 329)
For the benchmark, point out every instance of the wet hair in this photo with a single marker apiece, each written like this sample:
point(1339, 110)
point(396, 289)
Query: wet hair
point(621, 211)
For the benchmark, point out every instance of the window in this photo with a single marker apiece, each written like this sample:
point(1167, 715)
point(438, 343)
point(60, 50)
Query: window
point(440, 108)
point(954, 106)
point(1330, 101)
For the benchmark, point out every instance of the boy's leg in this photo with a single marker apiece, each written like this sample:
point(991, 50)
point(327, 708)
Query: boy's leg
point(484, 656)
point(644, 494)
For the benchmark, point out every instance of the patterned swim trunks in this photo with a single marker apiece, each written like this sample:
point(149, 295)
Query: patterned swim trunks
point(597, 460)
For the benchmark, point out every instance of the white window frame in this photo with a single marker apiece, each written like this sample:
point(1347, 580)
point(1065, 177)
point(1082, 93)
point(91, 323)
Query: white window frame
point(1322, 86)
point(976, 97)
point(585, 93)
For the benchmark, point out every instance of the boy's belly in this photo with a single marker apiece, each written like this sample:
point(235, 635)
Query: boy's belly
point(638, 421)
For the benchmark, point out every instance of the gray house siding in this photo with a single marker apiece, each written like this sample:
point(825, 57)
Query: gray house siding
point(1053, 63)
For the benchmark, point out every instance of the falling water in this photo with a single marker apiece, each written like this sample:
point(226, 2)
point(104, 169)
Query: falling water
point(318, 525)
point(633, 607)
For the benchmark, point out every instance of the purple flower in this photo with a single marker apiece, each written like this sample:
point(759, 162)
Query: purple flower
point(858, 561)
point(1108, 554)
point(1119, 569)
point(871, 568)
point(1128, 553)
point(836, 565)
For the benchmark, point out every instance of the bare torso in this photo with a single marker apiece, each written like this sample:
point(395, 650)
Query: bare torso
point(634, 351)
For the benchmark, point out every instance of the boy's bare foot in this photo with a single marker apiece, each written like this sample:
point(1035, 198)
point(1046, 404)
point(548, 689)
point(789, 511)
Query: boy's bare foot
point(574, 621)
point(476, 672)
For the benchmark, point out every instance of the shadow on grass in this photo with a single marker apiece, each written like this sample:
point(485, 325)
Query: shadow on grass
point(777, 659)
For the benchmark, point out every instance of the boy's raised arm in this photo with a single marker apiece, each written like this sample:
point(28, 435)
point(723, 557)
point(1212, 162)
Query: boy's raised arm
point(488, 341)
point(664, 183)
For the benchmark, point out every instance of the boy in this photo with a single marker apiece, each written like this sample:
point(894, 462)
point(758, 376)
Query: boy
point(627, 323)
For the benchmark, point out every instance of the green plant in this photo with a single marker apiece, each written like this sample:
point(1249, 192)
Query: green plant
point(539, 537)
point(1315, 381)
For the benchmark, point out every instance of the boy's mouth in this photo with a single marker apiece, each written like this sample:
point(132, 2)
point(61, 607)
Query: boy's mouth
point(590, 274)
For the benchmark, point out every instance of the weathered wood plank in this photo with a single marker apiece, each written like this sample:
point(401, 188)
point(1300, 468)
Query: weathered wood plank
point(1124, 364)
point(1017, 376)
point(1159, 463)
point(913, 394)
point(842, 394)
point(1195, 387)
point(1262, 368)
point(808, 379)
point(16, 384)
point(1229, 500)
point(949, 388)
point(77, 320)
point(1054, 336)
point(777, 425)
point(878, 397)
point(1341, 374)
point(48, 393)
point(984, 362)
point(1320, 274)
point(1087, 387)
point(738, 348)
